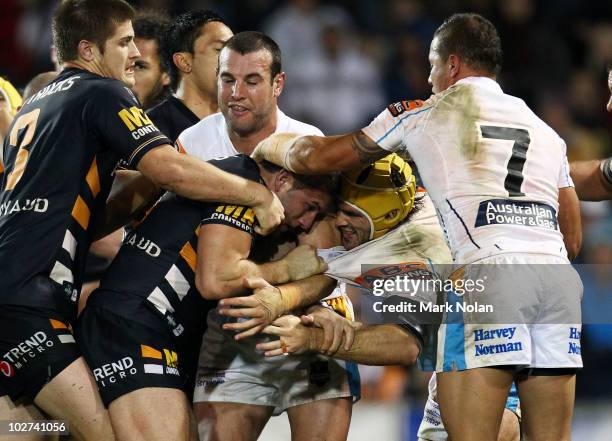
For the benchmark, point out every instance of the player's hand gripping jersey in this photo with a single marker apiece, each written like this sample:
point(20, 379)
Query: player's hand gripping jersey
point(490, 165)
point(59, 157)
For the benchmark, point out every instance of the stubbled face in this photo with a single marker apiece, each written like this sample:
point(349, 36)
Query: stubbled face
point(247, 94)
point(439, 75)
point(353, 225)
point(206, 49)
point(149, 75)
point(303, 205)
point(609, 106)
point(120, 54)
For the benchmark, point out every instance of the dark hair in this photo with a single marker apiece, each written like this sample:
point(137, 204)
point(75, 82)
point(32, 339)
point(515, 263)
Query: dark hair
point(152, 25)
point(252, 41)
point(92, 20)
point(327, 183)
point(181, 36)
point(473, 38)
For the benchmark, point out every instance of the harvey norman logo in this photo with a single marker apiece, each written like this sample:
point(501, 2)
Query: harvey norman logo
point(486, 335)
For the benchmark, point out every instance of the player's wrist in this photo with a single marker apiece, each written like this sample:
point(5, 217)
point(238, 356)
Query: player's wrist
point(314, 339)
point(289, 299)
point(276, 149)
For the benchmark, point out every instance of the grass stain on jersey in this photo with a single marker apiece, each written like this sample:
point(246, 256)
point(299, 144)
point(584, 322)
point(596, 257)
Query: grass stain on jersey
point(459, 109)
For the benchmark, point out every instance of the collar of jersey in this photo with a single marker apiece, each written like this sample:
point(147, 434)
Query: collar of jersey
point(484, 82)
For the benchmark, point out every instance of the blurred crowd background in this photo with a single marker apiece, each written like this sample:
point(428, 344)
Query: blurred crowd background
point(347, 59)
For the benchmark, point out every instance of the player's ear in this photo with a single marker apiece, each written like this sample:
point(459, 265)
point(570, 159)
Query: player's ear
point(454, 65)
point(88, 50)
point(283, 181)
point(278, 84)
point(165, 79)
point(182, 60)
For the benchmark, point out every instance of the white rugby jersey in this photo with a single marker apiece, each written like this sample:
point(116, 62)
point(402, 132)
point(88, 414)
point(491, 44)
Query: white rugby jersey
point(492, 168)
point(208, 139)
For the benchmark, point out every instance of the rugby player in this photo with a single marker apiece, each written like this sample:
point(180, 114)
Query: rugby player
point(250, 80)
point(376, 209)
point(481, 152)
point(593, 179)
point(139, 332)
point(190, 51)
point(59, 155)
point(150, 72)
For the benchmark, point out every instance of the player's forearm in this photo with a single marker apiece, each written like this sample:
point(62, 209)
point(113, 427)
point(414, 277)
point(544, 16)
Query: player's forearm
point(319, 154)
point(303, 293)
point(589, 181)
point(377, 345)
point(570, 223)
point(229, 281)
point(196, 179)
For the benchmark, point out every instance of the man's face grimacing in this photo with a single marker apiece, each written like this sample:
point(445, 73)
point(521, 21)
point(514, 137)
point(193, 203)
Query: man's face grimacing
point(120, 54)
point(439, 75)
point(247, 93)
point(302, 204)
point(354, 226)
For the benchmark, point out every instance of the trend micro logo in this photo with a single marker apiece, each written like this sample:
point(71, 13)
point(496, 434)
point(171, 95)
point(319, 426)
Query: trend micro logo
point(6, 369)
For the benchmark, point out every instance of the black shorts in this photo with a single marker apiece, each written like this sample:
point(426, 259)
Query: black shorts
point(131, 349)
point(35, 346)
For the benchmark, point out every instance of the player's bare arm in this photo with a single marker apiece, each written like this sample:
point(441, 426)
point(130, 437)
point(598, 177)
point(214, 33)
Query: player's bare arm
point(569, 221)
point(195, 179)
point(268, 302)
point(319, 154)
point(131, 194)
point(372, 344)
point(589, 179)
point(223, 263)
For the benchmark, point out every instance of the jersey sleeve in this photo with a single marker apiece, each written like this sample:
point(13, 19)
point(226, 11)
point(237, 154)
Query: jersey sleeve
point(565, 180)
point(183, 142)
point(392, 127)
point(235, 216)
point(123, 124)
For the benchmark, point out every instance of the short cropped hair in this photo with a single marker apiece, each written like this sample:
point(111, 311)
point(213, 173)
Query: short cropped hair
point(473, 38)
point(181, 35)
point(326, 183)
point(92, 20)
point(37, 83)
point(251, 41)
point(152, 25)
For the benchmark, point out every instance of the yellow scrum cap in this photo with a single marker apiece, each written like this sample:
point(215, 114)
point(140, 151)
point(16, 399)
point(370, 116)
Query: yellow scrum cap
point(383, 192)
point(10, 95)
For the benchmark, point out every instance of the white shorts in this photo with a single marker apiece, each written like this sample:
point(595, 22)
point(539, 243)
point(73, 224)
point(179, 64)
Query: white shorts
point(233, 371)
point(528, 315)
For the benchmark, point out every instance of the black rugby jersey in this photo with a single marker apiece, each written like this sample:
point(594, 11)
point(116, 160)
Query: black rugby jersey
point(59, 157)
point(157, 260)
point(172, 117)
